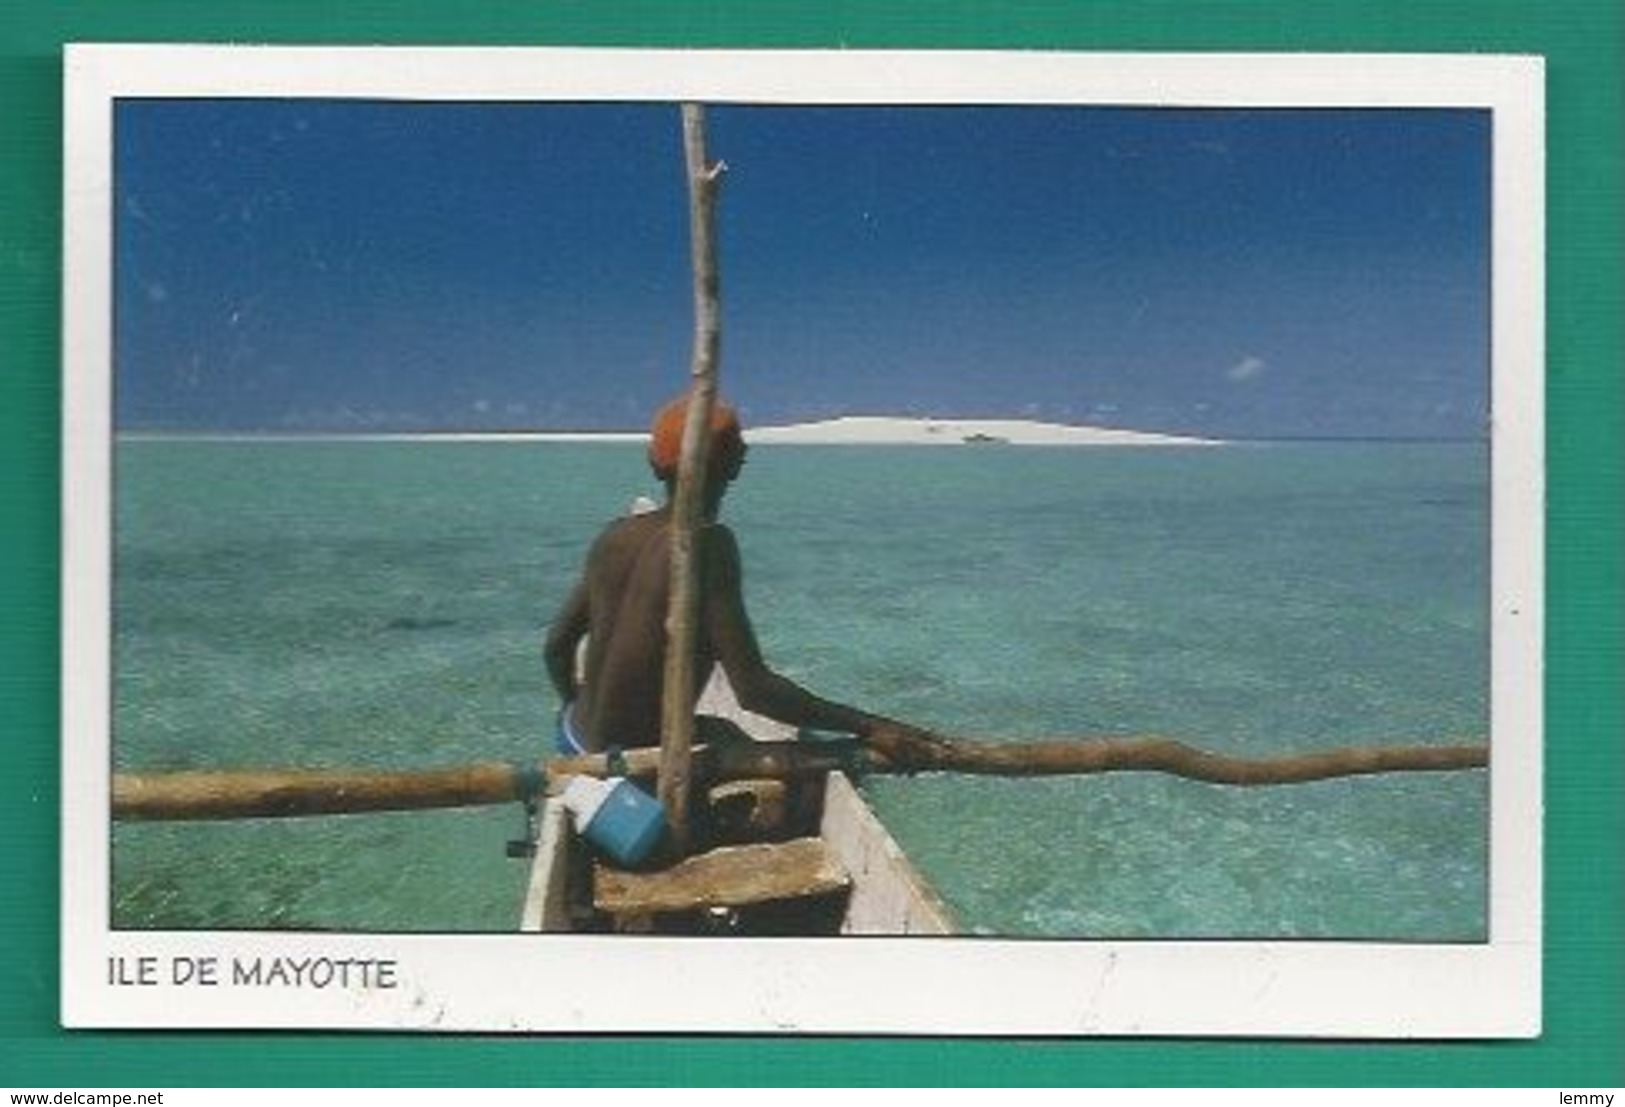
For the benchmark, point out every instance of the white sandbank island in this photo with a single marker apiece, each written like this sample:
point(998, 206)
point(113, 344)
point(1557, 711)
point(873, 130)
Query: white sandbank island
point(881, 430)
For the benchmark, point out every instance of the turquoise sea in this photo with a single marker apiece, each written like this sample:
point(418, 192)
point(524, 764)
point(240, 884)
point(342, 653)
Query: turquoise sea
point(324, 604)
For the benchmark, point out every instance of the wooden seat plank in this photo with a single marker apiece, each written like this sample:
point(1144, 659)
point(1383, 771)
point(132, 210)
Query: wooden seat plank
point(732, 876)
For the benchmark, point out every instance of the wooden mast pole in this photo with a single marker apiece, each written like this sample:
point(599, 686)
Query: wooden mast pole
point(677, 708)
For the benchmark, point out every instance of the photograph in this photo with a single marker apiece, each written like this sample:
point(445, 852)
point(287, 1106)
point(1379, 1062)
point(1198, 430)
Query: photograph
point(779, 520)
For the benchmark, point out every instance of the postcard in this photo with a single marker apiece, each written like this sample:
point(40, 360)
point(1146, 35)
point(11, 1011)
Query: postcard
point(1101, 495)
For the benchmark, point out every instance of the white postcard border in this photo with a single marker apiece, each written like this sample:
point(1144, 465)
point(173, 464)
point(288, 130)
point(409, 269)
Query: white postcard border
point(964, 986)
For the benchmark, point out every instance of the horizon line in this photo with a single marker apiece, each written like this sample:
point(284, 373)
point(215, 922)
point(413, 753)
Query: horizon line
point(637, 437)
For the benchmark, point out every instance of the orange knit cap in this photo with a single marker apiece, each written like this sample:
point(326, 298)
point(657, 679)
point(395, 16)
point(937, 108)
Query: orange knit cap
point(666, 439)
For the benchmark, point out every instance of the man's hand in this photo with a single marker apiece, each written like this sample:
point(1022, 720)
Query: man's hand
point(908, 747)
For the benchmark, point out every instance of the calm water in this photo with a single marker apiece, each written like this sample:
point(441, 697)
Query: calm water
point(382, 604)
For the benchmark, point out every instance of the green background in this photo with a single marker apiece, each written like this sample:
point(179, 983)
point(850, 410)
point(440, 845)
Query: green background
point(1584, 43)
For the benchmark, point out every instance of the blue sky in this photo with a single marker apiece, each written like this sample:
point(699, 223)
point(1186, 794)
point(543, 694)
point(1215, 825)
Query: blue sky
point(304, 265)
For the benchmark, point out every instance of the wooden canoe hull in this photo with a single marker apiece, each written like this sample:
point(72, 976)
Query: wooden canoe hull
point(889, 896)
point(882, 893)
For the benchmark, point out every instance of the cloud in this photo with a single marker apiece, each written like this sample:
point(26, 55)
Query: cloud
point(1247, 369)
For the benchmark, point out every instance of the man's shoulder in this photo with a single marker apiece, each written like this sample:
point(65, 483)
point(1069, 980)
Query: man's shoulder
point(623, 533)
point(719, 533)
point(719, 548)
point(636, 531)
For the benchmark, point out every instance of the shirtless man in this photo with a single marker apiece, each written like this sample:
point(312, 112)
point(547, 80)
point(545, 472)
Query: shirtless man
point(620, 605)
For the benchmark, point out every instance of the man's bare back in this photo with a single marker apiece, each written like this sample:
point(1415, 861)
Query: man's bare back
point(619, 606)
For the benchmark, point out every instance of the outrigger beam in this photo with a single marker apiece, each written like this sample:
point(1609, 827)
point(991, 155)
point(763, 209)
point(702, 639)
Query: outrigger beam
point(282, 793)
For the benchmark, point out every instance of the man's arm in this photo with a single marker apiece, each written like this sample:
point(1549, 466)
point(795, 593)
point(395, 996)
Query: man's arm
point(732, 637)
point(569, 627)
